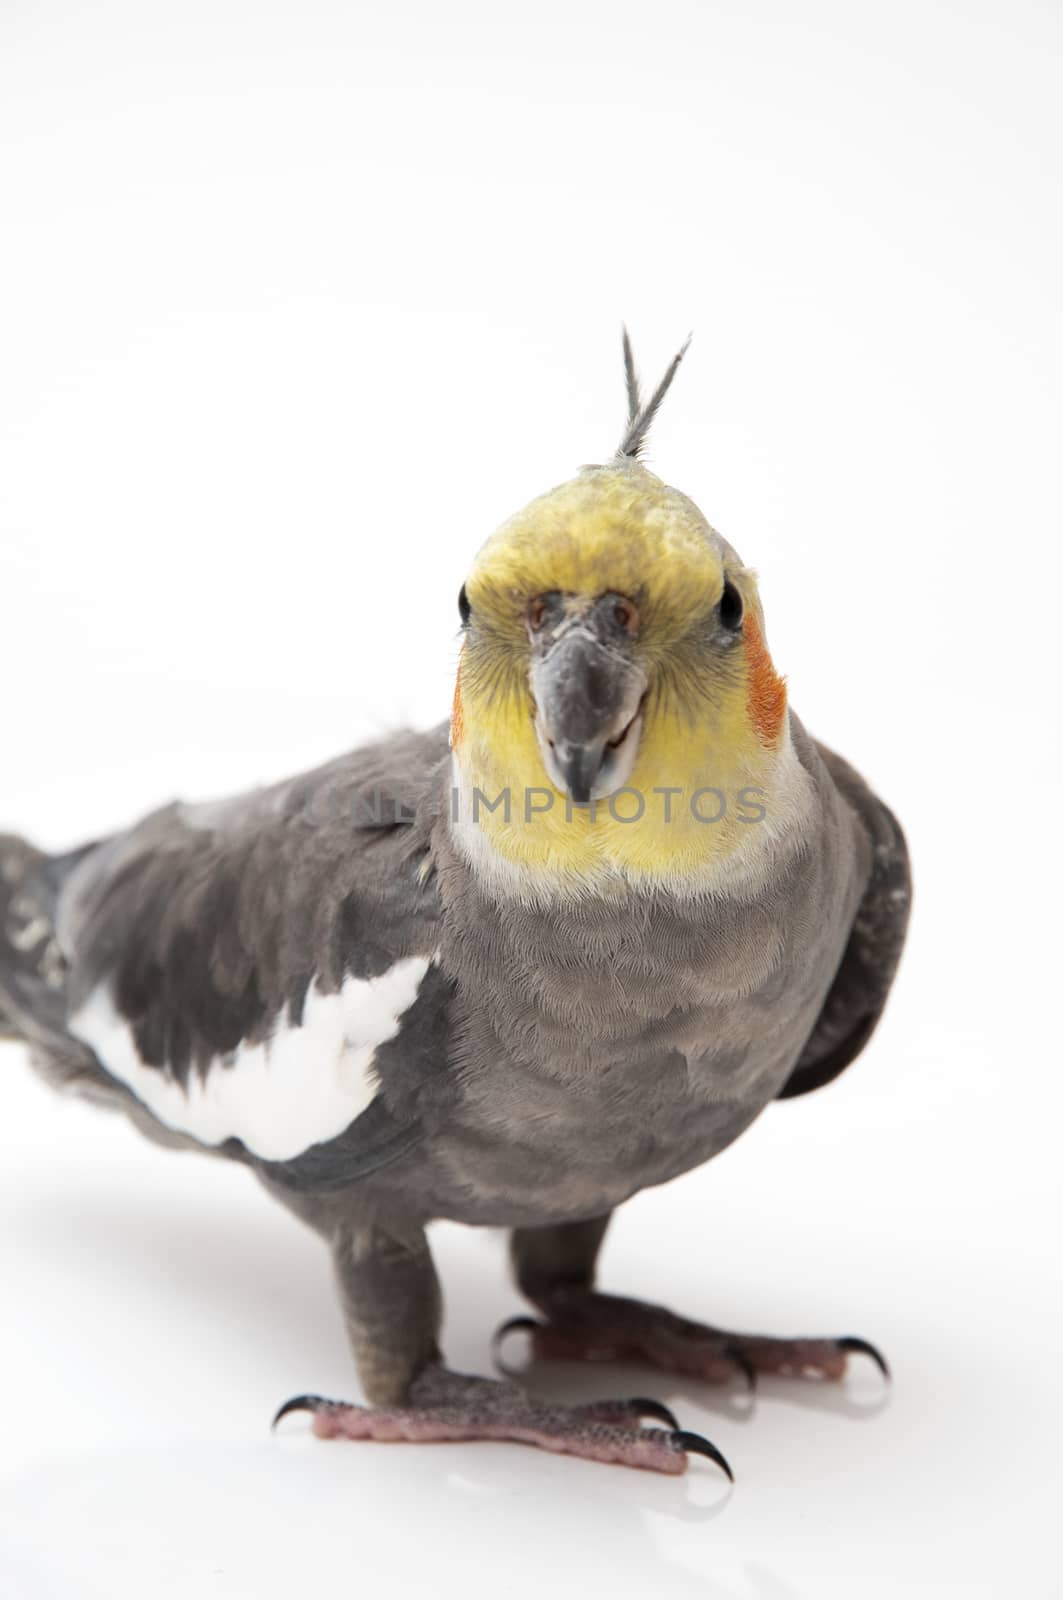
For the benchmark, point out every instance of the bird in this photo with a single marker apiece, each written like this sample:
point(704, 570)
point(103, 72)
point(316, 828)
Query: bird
point(564, 946)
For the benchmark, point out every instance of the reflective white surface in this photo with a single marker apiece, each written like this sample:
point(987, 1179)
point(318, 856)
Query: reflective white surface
point(158, 1308)
point(296, 303)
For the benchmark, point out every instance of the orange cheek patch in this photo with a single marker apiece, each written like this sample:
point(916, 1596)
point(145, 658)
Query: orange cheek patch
point(457, 722)
point(765, 691)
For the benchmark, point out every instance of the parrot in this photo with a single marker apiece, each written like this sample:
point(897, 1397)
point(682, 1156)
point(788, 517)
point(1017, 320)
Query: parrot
point(507, 972)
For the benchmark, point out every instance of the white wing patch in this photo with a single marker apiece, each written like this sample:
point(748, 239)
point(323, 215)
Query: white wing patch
point(299, 1087)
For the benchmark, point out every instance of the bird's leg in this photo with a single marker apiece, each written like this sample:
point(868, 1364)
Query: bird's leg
point(392, 1304)
point(555, 1270)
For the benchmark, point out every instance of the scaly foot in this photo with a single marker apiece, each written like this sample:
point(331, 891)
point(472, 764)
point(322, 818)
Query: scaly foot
point(444, 1405)
point(582, 1325)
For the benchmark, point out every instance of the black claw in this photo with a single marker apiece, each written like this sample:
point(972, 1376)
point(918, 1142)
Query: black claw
point(524, 1324)
point(655, 1409)
point(303, 1402)
point(744, 1365)
point(695, 1445)
point(863, 1347)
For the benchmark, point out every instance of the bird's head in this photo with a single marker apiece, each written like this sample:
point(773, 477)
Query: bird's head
point(613, 649)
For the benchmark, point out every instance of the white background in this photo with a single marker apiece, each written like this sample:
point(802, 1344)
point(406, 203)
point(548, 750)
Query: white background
point(299, 300)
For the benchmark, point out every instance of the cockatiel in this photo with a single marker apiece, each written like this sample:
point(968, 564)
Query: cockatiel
point(508, 972)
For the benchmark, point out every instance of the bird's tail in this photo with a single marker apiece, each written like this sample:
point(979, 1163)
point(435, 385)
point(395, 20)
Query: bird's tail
point(32, 971)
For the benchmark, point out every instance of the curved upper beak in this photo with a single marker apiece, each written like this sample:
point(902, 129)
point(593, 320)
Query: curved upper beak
point(589, 694)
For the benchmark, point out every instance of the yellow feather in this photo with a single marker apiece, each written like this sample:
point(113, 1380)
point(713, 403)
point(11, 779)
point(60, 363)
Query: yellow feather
point(612, 529)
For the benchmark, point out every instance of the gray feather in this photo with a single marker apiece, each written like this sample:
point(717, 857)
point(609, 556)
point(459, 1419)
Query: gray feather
point(631, 379)
point(861, 986)
point(634, 439)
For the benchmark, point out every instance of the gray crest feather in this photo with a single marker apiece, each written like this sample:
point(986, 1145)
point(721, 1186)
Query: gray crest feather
point(640, 417)
point(631, 378)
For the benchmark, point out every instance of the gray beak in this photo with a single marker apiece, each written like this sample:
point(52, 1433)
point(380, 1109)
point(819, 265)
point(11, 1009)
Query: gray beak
point(588, 691)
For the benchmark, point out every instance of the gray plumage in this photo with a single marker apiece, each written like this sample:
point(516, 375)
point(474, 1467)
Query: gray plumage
point(561, 1058)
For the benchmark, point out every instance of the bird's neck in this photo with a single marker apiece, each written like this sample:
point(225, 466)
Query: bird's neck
point(700, 814)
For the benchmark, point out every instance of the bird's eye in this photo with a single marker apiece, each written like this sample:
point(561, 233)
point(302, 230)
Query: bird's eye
point(464, 608)
point(536, 613)
point(731, 608)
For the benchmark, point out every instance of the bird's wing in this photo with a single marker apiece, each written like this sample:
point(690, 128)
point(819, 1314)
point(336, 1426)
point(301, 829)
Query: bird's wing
point(857, 997)
point(254, 971)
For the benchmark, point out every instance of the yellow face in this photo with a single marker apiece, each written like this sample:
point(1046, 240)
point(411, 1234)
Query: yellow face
point(613, 651)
